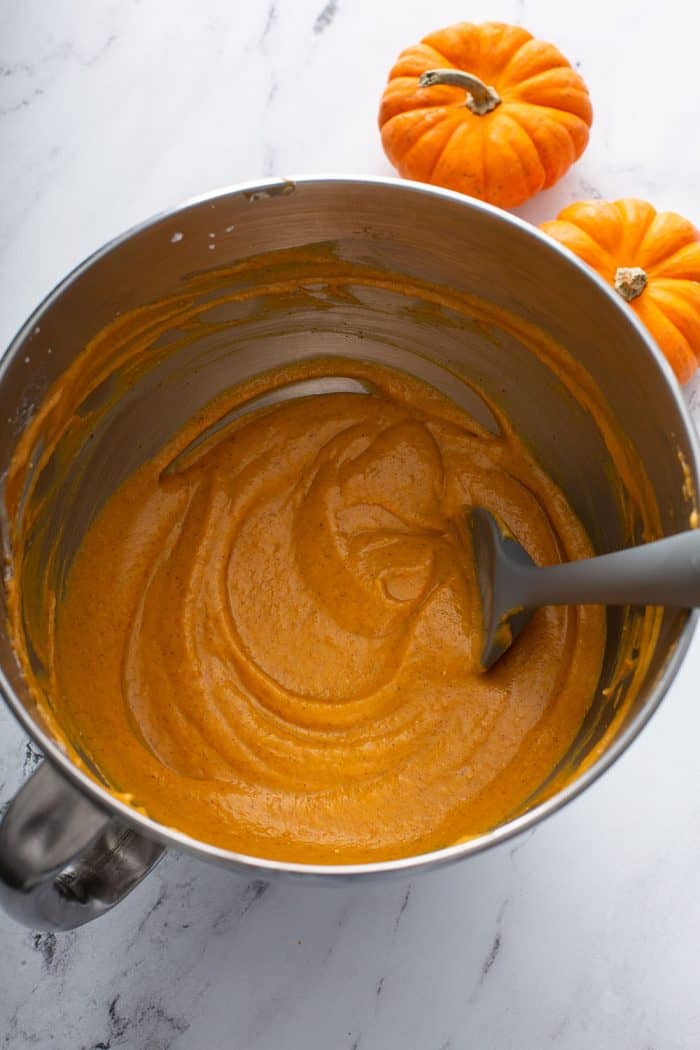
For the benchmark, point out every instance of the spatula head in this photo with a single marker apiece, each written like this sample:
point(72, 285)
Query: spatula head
point(499, 560)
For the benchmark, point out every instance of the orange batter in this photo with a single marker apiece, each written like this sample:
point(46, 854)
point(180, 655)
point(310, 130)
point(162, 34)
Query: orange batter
point(277, 649)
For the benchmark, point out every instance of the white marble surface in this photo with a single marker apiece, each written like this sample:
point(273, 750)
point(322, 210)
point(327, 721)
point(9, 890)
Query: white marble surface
point(586, 933)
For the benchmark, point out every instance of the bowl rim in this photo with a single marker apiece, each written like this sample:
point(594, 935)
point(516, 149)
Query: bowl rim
point(154, 830)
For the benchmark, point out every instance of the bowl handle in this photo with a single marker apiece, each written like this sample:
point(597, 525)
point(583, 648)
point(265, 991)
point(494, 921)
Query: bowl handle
point(63, 861)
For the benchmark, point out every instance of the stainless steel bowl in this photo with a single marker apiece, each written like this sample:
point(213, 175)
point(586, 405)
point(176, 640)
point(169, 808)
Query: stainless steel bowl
point(68, 849)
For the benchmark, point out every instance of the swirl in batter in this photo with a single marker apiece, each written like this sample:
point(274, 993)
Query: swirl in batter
point(276, 650)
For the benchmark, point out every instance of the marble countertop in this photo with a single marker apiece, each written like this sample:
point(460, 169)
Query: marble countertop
point(583, 934)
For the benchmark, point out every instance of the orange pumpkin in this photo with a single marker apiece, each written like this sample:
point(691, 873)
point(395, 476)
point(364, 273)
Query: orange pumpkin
point(486, 110)
point(652, 259)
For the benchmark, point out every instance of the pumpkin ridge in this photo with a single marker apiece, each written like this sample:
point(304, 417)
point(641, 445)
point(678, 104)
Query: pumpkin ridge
point(505, 33)
point(513, 57)
point(508, 118)
point(423, 109)
point(518, 92)
point(655, 271)
point(479, 63)
point(603, 263)
point(456, 63)
point(631, 250)
point(652, 307)
point(670, 231)
point(416, 57)
point(537, 117)
point(587, 216)
point(660, 270)
point(443, 61)
point(441, 154)
point(465, 178)
point(400, 98)
point(517, 95)
point(539, 105)
point(403, 151)
point(660, 326)
point(663, 299)
point(543, 74)
point(535, 58)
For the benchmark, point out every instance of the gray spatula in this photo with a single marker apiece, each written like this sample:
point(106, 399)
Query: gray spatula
point(666, 572)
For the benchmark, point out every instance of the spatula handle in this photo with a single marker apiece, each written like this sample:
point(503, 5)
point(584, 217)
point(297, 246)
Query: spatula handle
point(665, 572)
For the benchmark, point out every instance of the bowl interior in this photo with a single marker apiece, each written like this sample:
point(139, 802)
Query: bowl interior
point(471, 301)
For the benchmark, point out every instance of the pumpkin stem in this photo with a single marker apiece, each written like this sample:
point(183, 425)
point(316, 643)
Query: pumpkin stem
point(480, 99)
point(630, 282)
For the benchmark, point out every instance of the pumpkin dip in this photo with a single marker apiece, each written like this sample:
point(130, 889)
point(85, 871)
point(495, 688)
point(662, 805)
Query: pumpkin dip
point(276, 650)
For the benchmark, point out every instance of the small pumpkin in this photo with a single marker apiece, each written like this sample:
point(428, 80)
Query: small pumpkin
point(486, 110)
point(652, 259)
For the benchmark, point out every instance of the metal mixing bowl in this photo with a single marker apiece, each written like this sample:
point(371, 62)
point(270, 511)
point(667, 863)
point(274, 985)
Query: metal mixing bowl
point(68, 849)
